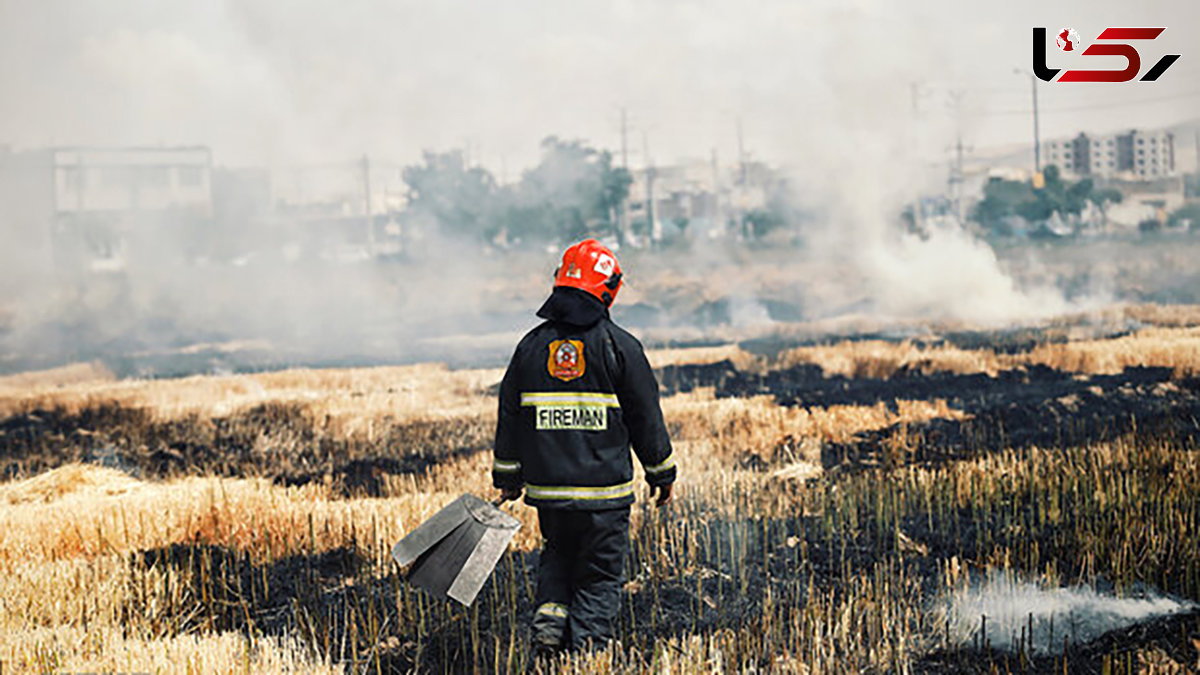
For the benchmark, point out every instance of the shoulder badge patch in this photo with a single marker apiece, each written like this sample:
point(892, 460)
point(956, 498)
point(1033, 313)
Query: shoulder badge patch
point(566, 359)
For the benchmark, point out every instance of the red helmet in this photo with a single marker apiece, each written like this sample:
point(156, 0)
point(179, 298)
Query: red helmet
point(590, 266)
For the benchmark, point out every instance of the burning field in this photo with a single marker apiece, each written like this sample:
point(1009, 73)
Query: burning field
point(961, 502)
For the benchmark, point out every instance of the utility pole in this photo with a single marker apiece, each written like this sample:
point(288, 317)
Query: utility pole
point(956, 172)
point(624, 140)
point(716, 190)
point(741, 210)
point(651, 221)
point(741, 153)
point(1037, 141)
point(914, 89)
point(958, 180)
point(622, 215)
point(1196, 139)
point(366, 176)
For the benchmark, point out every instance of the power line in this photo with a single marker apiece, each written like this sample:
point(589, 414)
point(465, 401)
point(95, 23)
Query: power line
point(1179, 72)
point(1096, 106)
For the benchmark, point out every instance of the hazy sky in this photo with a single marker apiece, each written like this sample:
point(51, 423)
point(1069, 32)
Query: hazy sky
point(308, 81)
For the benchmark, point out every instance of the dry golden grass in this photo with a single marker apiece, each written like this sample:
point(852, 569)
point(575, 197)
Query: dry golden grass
point(66, 535)
point(1164, 315)
point(89, 511)
point(110, 649)
point(879, 359)
point(79, 511)
point(76, 374)
point(757, 424)
point(1177, 348)
point(660, 358)
point(425, 391)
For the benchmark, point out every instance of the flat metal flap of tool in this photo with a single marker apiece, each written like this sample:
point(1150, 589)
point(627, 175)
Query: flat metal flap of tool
point(432, 531)
point(443, 522)
point(489, 515)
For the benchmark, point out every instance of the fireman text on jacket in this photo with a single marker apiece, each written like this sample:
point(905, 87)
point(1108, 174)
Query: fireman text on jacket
point(581, 417)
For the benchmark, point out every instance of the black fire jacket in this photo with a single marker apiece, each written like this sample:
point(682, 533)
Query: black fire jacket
point(577, 392)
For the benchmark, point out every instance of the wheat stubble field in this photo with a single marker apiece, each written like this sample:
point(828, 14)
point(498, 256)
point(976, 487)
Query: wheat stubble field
point(861, 505)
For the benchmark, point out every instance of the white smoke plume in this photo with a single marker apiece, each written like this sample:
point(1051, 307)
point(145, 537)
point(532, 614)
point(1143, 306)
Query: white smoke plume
point(1079, 613)
point(865, 154)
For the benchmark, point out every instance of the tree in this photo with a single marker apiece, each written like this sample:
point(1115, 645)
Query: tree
point(616, 182)
point(573, 192)
point(455, 196)
point(1191, 185)
point(1003, 198)
point(1103, 198)
point(1187, 215)
point(763, 221)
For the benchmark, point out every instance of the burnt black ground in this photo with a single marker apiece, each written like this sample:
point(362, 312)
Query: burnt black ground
point(719, 579)
point(331, 597)
point(1019, 408)
point(293, 452)
point(719, 582)
point(1001, 341)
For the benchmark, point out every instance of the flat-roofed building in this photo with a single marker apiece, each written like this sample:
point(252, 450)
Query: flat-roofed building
point(1140, 154)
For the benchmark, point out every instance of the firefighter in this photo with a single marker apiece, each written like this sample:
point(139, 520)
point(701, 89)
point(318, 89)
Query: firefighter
point(577, 393)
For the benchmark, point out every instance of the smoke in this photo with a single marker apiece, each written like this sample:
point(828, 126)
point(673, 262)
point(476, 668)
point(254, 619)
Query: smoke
point(825, 88)
point(951, 274)
point(165, 313)
point(1006, 608)
point(869, 154)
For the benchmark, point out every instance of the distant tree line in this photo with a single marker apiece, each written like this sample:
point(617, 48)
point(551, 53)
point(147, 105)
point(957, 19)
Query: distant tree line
point(1004, 198)
point(574, 191)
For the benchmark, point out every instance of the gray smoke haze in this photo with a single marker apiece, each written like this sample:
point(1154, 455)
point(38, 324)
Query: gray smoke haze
point(310, 80)
point(825, 89)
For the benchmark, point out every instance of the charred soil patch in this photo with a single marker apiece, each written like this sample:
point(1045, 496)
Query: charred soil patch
point(358, 611)
point(1018, 408)
point(283, 441)
point(1000, 341)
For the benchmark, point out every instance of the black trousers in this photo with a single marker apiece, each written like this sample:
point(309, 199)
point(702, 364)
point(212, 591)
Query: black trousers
point(579, 576)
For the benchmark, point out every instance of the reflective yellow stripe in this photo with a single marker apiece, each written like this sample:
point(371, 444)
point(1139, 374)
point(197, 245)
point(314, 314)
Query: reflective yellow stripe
point(571, 492)
point(664, 465)
point(505, 466)
point(553, 609)
point(568, 397)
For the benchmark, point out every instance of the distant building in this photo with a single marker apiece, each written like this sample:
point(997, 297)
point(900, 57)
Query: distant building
point(1136, 154)
point(697, 192)
point(132, 180)
point(82, 201)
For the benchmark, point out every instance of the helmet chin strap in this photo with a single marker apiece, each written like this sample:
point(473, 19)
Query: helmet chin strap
point(613, 282)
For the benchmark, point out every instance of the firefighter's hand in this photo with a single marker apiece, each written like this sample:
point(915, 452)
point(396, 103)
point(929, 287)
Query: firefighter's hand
point(664, 493)
point(510, 494)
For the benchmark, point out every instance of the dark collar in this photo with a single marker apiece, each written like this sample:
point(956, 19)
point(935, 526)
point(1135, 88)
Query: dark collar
point(573, 306)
